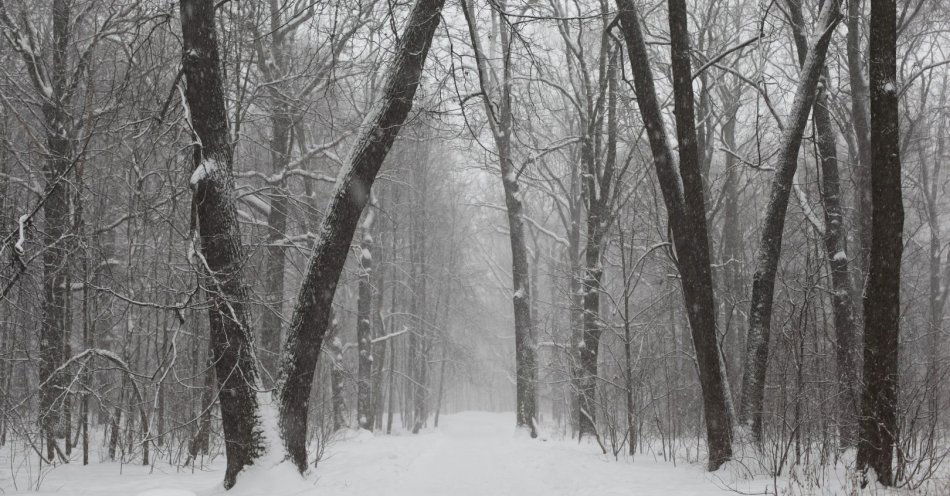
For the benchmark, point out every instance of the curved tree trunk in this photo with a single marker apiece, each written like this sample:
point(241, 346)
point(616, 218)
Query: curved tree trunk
point(310, 319)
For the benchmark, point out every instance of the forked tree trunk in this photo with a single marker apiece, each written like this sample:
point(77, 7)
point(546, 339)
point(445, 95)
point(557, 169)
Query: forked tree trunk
point(770, 244)
point(882, 295)
point(685, 205)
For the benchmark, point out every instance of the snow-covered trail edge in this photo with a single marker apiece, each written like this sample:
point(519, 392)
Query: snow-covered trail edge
point(471, 454)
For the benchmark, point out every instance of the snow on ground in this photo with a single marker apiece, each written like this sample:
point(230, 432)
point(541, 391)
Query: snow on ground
point(470, 454)
point(479, 454)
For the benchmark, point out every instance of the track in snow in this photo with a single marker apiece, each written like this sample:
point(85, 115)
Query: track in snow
point(478, 454)
point(470, 454)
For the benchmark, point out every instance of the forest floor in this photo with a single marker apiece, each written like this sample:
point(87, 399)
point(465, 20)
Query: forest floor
point(470, 454)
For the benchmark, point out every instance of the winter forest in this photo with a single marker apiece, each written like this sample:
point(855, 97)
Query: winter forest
point(483, 247)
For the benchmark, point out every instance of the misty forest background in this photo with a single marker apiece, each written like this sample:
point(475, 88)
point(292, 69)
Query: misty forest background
point(644, 224)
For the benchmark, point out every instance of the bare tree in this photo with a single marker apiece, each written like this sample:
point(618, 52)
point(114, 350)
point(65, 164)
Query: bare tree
point(770, 244)
point(496, 96)
point(882, 309)
point(308, 326)
point(685, 206)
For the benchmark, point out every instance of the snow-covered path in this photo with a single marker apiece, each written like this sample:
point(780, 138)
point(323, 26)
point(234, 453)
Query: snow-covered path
point(477, 454)
point(470, 454)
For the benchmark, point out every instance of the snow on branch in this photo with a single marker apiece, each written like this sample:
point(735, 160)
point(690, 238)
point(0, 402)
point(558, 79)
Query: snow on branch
point(389, 336)
point(207, 168)
point(22, 230)
point(810, 214)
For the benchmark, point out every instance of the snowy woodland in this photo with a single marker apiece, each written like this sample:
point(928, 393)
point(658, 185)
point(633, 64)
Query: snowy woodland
point(481, 247)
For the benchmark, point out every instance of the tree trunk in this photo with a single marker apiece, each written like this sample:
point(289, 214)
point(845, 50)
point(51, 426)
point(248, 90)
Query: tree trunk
point(54, 331)
point(597, 191)
point(221, 253)
point(862, 134)
point(418, 306)
point(501, 127)
point(310, 319)
point(770, 244)
point(836, 246)
point(685, 205)
point(882, 295)
point(365, 413)
point(272, 320)
point(337, 374)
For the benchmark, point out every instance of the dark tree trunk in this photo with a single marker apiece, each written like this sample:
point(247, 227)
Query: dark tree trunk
point(882, 295)
point(597, 188)
point(500, 116)
point(221, 256)
point(54, 331)
point(836, 247)
point(310, 319)
point(200, 440)
point(770, 244)
point(685, 205)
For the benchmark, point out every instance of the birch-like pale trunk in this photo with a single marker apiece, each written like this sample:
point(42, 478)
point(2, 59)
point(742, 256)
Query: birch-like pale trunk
point(365, 413)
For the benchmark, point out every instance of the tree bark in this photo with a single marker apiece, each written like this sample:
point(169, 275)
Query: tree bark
point(50, 82)
point(272, 320)
point(685, 205)
point(221, 253)
point(598, 191)
point(836, 246)
point(862, 137)
point(311, 314)
point(770, 244)
point(500, 121)
point(365, 412)
point(337, 375)
point(882, 295)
